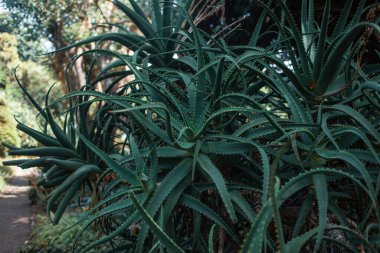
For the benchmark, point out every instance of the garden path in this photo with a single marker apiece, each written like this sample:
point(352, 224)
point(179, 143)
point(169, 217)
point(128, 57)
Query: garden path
point(15, 212)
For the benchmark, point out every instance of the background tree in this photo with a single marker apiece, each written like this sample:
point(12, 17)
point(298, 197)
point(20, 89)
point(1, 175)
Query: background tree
point(35, 75)
point(56, 24)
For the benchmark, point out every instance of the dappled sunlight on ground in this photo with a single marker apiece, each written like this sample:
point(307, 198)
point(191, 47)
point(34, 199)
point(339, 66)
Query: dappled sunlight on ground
point(24, 220)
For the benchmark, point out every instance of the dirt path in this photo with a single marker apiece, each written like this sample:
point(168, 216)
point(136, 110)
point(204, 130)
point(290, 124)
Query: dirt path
point(15, 213)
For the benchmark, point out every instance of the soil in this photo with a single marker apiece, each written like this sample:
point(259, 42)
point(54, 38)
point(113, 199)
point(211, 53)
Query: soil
point(15, 212)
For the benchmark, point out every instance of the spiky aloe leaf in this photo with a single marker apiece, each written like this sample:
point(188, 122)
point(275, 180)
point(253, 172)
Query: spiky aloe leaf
point(319, 54)
point(162, 192)
point(322, 198)
point(127, 175)
point(38, 136)
point(255, 237)
point(333, 63)
point(201, 208)
point(208, 166)
point(141, 22)
point(70, 185)
point(48, 151)
point(210, 239)
point(161, 235)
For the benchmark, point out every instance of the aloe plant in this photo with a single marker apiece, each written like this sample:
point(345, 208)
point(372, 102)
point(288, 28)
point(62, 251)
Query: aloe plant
point(219, 139)
point(322, 60)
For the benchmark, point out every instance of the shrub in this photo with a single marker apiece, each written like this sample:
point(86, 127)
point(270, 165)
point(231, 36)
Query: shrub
point(36, 75)
point(5, 173)
point(8, 131)
point(223, 140)
point(46, 238)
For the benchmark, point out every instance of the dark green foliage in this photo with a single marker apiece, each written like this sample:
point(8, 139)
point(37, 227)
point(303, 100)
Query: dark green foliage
point(46, 238)
point(225, 137)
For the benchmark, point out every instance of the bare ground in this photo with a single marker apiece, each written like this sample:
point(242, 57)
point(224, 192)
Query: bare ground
point(15, 213)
